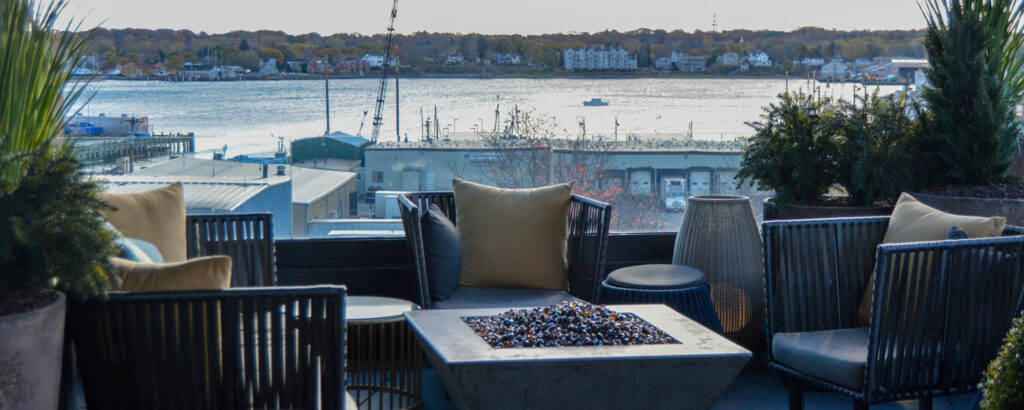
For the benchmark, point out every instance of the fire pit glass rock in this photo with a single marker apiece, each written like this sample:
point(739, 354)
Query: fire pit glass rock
point(566, 324)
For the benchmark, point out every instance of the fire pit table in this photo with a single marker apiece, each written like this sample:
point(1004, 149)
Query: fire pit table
point(689, 374)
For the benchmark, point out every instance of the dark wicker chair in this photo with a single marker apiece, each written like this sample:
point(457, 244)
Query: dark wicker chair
point(589, 221)
point(247, 238)
point(935, 322)
point(281, 347)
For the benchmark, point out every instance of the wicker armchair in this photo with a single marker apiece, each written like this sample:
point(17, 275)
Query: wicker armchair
point(281, 347)
point(940, 309)
point(589, 221)
point(247, 238)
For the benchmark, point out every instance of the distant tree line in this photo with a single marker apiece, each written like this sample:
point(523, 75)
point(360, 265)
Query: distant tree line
point(420, 50)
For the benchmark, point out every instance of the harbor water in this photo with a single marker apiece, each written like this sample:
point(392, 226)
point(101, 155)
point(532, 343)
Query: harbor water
point(248, 116)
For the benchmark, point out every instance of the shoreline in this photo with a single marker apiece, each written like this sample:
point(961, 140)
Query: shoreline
point(601, 76)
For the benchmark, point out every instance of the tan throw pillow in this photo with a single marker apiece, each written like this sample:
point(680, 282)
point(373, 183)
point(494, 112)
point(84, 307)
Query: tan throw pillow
point(205, 273)
point(156, 216)
point(913, 221)
point(513, 238)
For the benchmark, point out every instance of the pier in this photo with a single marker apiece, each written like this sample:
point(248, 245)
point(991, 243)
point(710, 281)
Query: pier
point(107, 150)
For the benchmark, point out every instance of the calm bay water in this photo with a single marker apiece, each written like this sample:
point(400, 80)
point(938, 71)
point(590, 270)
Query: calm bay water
point(247, 116)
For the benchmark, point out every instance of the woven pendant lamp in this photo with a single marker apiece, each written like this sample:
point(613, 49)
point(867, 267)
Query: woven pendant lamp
point(719, 236)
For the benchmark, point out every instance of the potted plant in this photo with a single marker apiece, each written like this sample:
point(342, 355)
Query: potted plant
point(1003, 386)
point(970, 132)
point(53, 237)
point(826, 158)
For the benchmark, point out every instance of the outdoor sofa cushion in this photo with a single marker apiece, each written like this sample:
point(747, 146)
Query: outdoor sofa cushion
point(913, 221)
point(443, 258)
point(469, 297)
point(205, 273)
point(836, 356)
point(156, 216)
point(513, 238)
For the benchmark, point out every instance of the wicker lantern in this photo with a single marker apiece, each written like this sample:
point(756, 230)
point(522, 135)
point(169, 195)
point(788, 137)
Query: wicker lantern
point(719, 236)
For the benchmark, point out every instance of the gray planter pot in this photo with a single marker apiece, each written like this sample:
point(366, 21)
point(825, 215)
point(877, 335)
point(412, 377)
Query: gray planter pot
point(1011, 209)
point(31, 345)
point(803, 211)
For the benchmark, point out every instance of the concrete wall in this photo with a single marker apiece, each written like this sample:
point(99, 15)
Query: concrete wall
point(406, 169)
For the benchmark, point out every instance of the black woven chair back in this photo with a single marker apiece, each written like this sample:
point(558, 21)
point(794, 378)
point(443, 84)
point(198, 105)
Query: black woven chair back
point(589, 223)
point(242, 348)
point(247, 238)
point(941, 312)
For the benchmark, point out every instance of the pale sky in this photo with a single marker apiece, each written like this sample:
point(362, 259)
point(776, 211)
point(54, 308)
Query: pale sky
point(495, 17)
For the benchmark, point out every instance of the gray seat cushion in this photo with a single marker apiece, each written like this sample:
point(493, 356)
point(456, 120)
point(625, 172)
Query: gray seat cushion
point(656, 276)
point(836, 356)
point(469, 297)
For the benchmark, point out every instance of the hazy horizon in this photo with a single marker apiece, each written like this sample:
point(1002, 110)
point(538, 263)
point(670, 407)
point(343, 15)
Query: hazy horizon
point(526, 17)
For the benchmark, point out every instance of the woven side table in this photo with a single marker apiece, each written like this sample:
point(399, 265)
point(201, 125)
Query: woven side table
point(384, 368)
point(679, 287)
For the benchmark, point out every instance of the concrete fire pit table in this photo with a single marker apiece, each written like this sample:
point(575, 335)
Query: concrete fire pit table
point(686, 375)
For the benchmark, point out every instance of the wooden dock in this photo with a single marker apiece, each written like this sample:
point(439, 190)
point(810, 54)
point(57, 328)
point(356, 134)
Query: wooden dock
point(107, 150)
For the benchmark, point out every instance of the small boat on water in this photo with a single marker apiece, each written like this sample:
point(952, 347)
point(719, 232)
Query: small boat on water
point(595, 102)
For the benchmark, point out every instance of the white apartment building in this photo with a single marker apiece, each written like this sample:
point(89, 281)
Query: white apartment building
point(598, 59)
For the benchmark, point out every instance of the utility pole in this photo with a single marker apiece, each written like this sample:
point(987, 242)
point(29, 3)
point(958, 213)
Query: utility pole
point(327, 96)
point(714, 23)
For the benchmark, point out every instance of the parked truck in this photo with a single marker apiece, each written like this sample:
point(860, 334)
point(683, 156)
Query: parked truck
point(673, 192)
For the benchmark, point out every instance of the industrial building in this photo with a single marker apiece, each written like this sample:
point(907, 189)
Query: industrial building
point(313, 193)
point(642, 167)
point(220, 194)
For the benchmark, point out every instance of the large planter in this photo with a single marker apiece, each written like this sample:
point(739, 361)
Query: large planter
point(719, 236)
point(1011, 209)
point(773, 211)
point(31, 345)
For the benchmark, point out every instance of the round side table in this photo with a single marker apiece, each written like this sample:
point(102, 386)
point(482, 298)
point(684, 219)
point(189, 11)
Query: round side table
point(680, 287)
point(384, 367)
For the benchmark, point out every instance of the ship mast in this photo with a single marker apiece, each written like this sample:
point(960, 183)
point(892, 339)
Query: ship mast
point(378, 118)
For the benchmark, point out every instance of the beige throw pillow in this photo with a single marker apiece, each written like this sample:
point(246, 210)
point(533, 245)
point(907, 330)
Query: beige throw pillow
point(513, 238)
point(156, 216)
point(913, 221)
point(208, 272)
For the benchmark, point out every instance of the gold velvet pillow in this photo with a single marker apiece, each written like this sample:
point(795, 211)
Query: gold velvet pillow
point(913, 221)
point(513, 238)
point(156, 216)
point(208, 272)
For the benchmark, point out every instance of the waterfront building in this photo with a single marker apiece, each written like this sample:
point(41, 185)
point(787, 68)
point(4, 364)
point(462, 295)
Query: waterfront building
point(268, 66)
point(453, 58)
point(861, 64)
point(590, 59)
point(295, 65)
point(691, 63)
point(374, 60)
point(903, 68)
point(642, 166)
point(811, 62)
point(352, 64)
point(759, 59)
point(664, 63)
point(218, 194)
point(507, 59)
point(194, 72)
point(834, 71)
point(312, 193)
point(728, 59)
point(317, 66)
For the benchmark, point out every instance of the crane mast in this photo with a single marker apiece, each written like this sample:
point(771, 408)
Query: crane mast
point(378, 117)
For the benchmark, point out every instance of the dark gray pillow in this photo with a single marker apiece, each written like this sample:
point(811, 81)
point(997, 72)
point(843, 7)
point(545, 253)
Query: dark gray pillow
point(442, 252)
point(956, 233)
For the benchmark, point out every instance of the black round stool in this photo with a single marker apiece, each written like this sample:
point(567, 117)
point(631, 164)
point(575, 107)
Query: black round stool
point(679, 287)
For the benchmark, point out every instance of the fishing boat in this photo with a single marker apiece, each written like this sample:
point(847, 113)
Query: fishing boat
point(595, 102)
